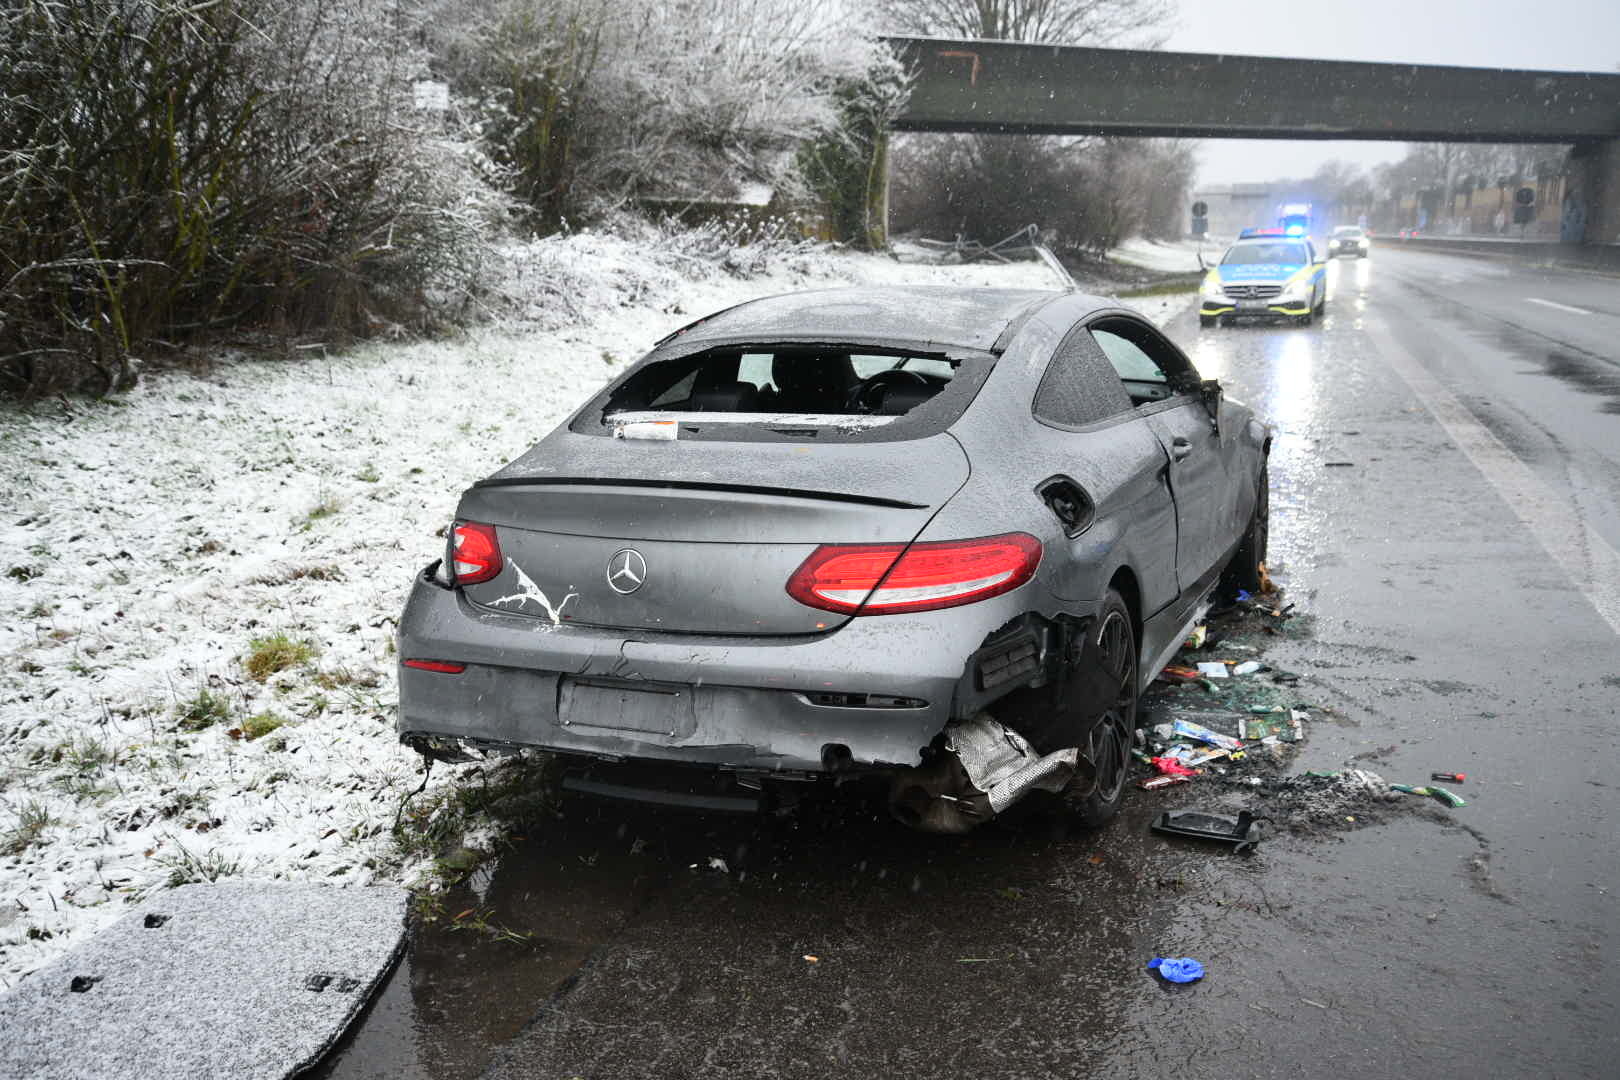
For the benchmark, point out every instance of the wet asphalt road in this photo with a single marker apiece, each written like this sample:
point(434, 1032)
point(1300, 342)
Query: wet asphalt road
point(1437, 623)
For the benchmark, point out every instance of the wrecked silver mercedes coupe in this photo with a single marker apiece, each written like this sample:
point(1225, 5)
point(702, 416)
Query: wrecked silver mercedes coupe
point(940, 535)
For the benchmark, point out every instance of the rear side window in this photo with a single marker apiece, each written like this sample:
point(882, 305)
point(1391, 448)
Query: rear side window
point(1148, 367)
point(1079, 386)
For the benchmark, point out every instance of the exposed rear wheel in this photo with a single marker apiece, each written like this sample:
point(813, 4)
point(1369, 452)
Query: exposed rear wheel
point(1109, 678)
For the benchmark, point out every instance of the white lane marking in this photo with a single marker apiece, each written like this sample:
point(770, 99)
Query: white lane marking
point(1589, 560)
point(1556, 304)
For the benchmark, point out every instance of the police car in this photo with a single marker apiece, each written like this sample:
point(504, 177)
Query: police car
point(1266, 274)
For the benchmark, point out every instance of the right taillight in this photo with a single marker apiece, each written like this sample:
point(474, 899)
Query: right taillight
point(475, 553)
point(886, 579)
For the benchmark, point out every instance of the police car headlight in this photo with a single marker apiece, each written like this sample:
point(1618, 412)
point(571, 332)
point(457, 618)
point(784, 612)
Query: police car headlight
point(1295, 290)
point(1213, 290)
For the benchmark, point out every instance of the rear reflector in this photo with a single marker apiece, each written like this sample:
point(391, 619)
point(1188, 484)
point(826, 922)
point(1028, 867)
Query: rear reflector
point(445, 667)
point(884, 579)
point(475, 553)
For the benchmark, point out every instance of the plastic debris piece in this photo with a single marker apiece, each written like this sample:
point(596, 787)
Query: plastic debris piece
point(717, 863)
point(1214, 669)
point(1173, 673)
point(1450, 798)
point(1273, 726)
point(1153, 783)
point(1169, 766)
point(1196, 639)
point(1177, 969)
point(1449, 777)
point(811, 959)
point(1248, 667)
point(1243, 832)
point(654, 430)
point(1190, 730)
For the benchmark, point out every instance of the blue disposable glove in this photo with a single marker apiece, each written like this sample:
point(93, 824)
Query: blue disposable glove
point(1178, 969)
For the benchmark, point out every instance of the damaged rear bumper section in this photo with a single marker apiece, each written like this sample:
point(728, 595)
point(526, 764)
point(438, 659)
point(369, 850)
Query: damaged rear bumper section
point(983, 768)
point(862, 699)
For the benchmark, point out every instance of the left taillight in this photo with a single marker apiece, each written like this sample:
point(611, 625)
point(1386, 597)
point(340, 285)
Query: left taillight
point(887, 579)
point(475, 553)
point(443, 667)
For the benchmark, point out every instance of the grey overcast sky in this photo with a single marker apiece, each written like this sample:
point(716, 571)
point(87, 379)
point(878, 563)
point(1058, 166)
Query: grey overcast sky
point(1558, 35)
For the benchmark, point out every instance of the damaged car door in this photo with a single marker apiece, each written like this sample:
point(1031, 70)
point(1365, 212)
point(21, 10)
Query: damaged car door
point(1164, 388)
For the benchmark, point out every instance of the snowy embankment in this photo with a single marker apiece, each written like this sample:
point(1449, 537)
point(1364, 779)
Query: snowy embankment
point(1174, 257)
point(201, 578)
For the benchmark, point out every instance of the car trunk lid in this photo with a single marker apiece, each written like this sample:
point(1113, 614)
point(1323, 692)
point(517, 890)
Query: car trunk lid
point(696, 537)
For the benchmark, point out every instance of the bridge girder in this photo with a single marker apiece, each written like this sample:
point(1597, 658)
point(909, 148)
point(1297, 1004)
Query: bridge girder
point(1017, 87)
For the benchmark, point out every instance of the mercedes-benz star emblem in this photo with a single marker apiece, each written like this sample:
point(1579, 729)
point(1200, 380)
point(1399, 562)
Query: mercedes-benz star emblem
point(626, 571)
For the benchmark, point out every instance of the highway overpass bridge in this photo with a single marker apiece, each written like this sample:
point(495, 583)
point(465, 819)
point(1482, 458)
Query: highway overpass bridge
point(1020, 88)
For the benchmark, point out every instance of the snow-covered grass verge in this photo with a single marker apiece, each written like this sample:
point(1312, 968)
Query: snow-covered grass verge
point(1174, 257)
point(201, 578)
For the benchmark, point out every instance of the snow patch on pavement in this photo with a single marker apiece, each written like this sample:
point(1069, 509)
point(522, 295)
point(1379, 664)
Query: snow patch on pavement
point(151, 539)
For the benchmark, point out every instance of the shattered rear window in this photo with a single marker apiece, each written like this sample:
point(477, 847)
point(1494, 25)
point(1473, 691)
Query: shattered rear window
point(808, 391)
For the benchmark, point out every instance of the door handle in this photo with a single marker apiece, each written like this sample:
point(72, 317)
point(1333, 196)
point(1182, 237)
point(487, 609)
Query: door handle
point(1180, 448)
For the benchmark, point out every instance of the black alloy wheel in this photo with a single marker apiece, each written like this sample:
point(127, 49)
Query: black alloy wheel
point(1111, 653)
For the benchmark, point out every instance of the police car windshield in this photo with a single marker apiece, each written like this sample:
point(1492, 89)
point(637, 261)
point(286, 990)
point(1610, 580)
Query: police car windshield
point(1279, 253)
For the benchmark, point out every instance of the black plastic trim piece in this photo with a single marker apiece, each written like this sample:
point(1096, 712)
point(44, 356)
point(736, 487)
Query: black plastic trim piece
point(688, 485)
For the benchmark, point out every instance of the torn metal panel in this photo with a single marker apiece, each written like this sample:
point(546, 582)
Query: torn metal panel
point(982, 769)
point(1001, 763)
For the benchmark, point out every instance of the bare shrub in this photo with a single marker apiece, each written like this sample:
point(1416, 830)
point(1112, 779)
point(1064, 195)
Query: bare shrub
point(586, 107)
point(171, 169)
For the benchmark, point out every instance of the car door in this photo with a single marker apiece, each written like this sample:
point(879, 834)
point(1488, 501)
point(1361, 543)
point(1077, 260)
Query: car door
point(1163, 384)
point(1089, 438)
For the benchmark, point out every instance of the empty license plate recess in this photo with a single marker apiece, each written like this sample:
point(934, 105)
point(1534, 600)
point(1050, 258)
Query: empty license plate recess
point(1253, 305)
point(648, 708)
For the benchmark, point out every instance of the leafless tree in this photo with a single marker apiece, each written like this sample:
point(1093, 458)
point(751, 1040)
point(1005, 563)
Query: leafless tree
point(1141, 23)
point(1087, 194)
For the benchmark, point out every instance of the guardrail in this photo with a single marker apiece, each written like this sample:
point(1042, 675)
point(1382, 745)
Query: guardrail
point(1600, 257)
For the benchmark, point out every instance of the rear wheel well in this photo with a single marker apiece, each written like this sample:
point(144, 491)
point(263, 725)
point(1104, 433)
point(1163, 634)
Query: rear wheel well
point(1124, 583)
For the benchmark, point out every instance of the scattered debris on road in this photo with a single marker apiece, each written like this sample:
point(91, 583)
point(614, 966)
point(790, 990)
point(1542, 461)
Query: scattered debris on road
point(1244, 831)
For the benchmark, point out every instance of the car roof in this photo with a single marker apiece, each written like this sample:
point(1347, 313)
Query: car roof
point(973, 318)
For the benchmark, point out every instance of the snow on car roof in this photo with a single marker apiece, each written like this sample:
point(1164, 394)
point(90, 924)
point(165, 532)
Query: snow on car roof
point(946, 315)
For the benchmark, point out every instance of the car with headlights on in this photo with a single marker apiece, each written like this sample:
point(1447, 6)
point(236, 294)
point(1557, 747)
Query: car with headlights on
point(1265, 276)
point(1350, 240)
point(940, 538)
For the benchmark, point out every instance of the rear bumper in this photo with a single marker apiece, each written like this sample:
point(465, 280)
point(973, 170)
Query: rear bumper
point(739, 703)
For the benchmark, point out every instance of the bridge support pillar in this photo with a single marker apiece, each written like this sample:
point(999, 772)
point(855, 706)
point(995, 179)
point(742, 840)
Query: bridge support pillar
point(1592, 199)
